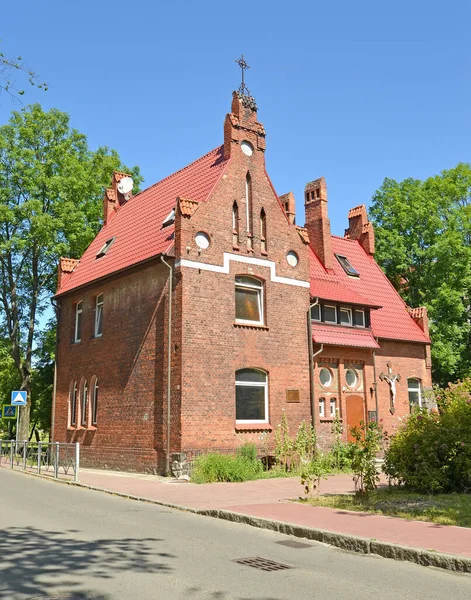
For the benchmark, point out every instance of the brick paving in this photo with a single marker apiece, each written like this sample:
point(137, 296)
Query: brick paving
point(271, 499)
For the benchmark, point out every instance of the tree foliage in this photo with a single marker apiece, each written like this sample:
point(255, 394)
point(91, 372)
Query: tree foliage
point(10, 67)
point(51, 189)
point(423, 233)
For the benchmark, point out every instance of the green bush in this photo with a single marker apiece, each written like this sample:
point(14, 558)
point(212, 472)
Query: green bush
point(244, 466)
point(432, 451)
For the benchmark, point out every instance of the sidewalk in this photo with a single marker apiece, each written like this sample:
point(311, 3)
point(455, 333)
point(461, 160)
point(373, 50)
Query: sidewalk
point(270, 499)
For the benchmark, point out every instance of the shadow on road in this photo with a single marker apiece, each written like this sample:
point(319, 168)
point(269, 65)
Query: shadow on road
point(45, 564)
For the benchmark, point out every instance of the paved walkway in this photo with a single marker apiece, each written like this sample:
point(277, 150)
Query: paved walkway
point(270, 499)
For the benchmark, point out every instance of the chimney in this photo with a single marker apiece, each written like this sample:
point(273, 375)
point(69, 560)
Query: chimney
point(113, 198)
point(420, 316)
point(241, 125)
point(317, 221)
point(287, 200)
point(65, 268)
point(359, 228)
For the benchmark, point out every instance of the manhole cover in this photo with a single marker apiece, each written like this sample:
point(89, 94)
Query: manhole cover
point(263, 564)
point(293, 544)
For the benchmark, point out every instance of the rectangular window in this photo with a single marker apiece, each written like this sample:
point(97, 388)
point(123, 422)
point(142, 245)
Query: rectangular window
point(346, 316)
point(249, 300)
point(95, 403)
point(99, 316)
point(316, 313)
point(104, 249)
point(330, 314)
point(360, 318)
point(333, 407)
point(73, 405)
point(84, 404)
point(78, 322)
point(347, 266)
point(415, 394)
point(251, 396)
point(321, 407)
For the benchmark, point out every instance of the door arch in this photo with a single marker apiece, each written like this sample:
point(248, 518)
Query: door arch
point(355, 413)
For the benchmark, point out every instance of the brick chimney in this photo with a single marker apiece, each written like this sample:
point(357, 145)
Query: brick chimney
point(113, 198)
point(64, 269)
point(287, 200)
point(317, 221)
point(241, 124)
point(359, 228)
point(420, 316)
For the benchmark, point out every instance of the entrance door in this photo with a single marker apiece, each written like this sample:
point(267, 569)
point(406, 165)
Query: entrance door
point(355, 413)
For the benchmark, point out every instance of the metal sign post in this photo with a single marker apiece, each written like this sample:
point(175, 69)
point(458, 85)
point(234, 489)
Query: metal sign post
point(18, 398)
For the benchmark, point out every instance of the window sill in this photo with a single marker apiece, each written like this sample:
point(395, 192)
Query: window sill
point(263, 252)
point(328, 419)
point(237, 248)
point(253, 427)
point(251, 326)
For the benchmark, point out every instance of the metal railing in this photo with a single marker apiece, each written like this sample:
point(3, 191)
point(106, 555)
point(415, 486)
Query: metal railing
point(54, 458)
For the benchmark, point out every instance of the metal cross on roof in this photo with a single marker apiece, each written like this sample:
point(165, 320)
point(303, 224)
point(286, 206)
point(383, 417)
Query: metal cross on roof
point(243, 89)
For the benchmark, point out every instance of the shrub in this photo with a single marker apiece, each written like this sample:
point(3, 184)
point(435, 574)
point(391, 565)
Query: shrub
point(368, 440)
point(432, 451)
point(213, 467)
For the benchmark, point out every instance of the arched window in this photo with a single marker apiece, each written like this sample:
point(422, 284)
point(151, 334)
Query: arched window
point(84, 403)
point(263, 231)
point(321, 407)
point(249, 300)
point(94, 401)
point(333, 407)
point(235, 224)
point(415, 393)
point(249, 208)
point(251, 396)
point(73, 403)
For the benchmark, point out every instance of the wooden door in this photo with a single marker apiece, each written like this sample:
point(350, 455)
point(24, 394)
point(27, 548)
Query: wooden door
point(355, 413)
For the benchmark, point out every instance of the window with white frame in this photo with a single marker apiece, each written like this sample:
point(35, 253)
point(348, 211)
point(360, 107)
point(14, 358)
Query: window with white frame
point(330, 314)
point(78, 322)
point(316, 312)
point(321, 407)
point(99, 316)
point(249, 300)
point(360, 318)
point(325, 377)
point(415, 393)
point(251, 396)
point(73, 403)
point(333, 407)
point(95, 402)
point(84, 403)
point(346, 316)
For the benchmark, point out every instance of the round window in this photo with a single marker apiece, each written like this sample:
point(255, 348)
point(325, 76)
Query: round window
point(325, 377)
point(292, 258)
point(351, 378)
point(246, 148)
point(202, 240)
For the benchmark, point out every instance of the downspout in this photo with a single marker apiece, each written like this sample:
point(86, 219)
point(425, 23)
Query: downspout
point(169, 360)
point(311, 363)
point(375, 383)
point(54, 386)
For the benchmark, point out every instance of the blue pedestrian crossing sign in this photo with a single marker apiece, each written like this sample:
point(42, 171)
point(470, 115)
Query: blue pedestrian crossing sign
point(9, 411)
point(18, 398)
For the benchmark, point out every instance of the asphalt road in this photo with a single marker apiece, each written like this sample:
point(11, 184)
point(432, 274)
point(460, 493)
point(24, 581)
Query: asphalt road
point(57, 541)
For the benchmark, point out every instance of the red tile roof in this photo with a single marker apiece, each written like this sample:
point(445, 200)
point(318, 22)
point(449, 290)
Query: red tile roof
point(137, 225)
point(342, 336)
point(392, 320)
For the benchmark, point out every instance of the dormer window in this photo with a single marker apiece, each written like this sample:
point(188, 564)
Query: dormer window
point(330, 314)
point(360, 318)
point(169, 219)
point(345, 316)
point(346, 266)
point(106, 246)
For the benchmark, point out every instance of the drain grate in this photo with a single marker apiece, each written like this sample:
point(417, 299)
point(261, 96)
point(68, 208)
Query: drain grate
point(263, 564)
point(293, 544)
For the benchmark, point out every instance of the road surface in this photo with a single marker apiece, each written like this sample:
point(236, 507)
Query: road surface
point(69, 543)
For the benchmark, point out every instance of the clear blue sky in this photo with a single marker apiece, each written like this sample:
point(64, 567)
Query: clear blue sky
point(354, 91)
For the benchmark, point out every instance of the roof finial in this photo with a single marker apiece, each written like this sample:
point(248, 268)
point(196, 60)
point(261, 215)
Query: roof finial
point(243, 91)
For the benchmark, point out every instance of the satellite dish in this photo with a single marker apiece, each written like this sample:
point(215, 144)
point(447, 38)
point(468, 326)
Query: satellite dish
point(125, 185)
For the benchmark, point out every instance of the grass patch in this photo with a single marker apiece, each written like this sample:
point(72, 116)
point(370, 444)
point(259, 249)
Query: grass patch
point(444, 509)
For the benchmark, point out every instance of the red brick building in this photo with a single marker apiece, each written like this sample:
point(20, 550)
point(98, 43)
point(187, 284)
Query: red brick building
point(144, 376)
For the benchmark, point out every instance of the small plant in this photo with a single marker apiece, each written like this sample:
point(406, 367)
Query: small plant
point(368, 439)
point(216, 466)
point(304, 445)
point(283, 444)
point(312, 473)
point(341, 453)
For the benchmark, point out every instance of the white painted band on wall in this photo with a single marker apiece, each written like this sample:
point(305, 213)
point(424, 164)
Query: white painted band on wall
point(225, 268)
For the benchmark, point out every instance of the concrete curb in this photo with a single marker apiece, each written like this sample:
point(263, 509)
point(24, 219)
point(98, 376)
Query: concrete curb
point(351, 543)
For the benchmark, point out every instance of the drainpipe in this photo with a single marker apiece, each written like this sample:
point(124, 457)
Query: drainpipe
point(375, 383)
point(54, 387)
point(169, 360)
point(311, 363)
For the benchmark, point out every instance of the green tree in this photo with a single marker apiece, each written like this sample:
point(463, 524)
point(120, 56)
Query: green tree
point(51, 188)
point(423, 232)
